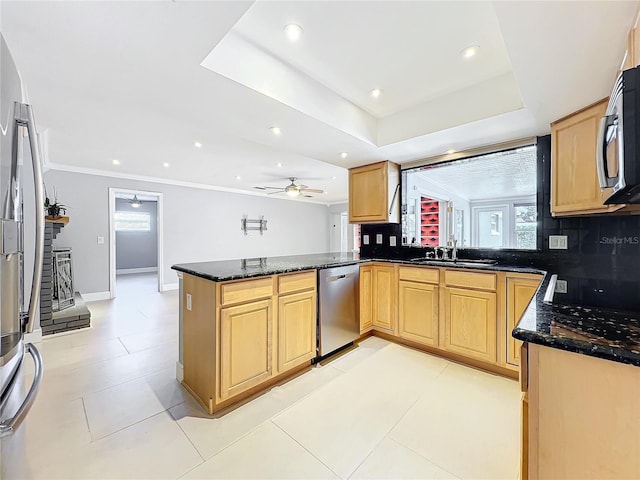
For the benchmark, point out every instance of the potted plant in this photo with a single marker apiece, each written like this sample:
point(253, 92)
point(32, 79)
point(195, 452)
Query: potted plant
point(53, 209)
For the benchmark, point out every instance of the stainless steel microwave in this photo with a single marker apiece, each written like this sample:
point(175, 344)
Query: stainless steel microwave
point(618, 147)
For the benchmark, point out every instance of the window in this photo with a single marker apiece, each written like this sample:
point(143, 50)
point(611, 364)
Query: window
point(526, 218)
point(133, 222)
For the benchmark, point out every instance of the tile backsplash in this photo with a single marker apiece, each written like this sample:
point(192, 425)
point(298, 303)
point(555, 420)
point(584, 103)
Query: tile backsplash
point(601, 264)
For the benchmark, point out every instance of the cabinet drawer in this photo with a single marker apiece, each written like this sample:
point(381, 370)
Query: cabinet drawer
point(459, 278)
point(420, 274)
point(237, 292)
point(296, 282)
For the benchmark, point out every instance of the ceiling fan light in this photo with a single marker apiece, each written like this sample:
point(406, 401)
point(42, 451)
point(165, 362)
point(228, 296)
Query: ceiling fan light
point(293, 192)
point(135, 203)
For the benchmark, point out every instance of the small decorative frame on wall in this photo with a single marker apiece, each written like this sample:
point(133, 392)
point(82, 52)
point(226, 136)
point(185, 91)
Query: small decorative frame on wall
point(260, 224)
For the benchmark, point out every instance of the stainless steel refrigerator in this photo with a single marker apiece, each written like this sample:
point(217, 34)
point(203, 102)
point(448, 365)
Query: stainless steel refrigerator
point(18, 144)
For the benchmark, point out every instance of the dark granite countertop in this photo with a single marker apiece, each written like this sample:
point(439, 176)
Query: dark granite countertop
point(225, 270)
point(597, 332)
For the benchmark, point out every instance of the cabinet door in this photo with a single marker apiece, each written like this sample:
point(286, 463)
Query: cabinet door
point(245, 346)
point(470, 323)
point(418, 312)
point(296, 329)
point(574, 181)
point(520, 291)
point(368, 193)
point(366, 298)
point(385, 298)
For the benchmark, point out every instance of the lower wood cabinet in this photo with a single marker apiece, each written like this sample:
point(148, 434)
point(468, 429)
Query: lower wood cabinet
point(418, 312)
point(520, 291)
point(296, 329)
point(385, 297)
point(246, 342)
point(470, 323)
point(366, 298)
point(246, 333)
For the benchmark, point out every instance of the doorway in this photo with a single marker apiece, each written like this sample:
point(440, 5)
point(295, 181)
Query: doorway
point(135, 238)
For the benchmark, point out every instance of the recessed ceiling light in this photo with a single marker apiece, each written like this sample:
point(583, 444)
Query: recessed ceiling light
point(238, 177)
point(470, 51)
point(165, 164)
point(376, 92)
point(115, 161)
point(450, 151)
point(293, 32)
point(279, 164)
point(275, 130)
point(197, 144)
point(344, 154)
point(333, 178)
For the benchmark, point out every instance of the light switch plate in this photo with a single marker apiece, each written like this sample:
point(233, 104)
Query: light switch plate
point(379, 238)
point(365, 239)
point(557, 242)
point(100, 240)
point(392, 241)
point(561, 286)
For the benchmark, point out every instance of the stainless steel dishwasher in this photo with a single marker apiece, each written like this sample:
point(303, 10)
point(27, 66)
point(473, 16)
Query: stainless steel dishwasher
point(338, 315)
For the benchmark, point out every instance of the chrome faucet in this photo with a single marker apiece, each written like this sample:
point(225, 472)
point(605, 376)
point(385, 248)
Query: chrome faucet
point(454, 251)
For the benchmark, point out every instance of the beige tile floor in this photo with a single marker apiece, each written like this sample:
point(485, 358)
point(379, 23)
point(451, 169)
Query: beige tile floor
point(110, 407)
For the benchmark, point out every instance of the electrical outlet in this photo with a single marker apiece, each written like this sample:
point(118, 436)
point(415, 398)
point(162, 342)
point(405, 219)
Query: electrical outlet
point(392, 241)
point(379, 238)
point(100, 240)
point(189, 301)
point(557, 242)
point(561, 286)
point(365, 239)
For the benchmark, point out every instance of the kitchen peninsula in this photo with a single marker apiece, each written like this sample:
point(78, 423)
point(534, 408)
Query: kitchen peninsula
point(249, 324)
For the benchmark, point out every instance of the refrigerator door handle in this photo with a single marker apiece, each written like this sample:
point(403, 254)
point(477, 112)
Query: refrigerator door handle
point(9, 426)
point(24, 117)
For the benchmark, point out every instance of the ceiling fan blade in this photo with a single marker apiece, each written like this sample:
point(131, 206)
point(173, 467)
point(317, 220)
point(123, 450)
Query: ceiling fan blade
point(302, 187)
point(279, 191)
point(268, 188)
point(311, 190)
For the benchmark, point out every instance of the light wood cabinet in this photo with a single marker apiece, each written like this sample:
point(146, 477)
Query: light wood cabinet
point(418, 312)
point(296, 329)
point(366, 298)
point(574, 182)
point(243, 335)
point(583, 416)
point(374, 193)
point(246, 346)
point(385, 297)
point(520, 291)
point(470, 323)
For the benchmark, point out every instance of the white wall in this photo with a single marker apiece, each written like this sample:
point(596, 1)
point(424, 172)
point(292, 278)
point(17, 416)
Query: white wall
point(199, 225)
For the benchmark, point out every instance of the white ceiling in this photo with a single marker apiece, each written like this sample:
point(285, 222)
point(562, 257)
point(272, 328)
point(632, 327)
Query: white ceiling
point(492, 177)
point(141, 81)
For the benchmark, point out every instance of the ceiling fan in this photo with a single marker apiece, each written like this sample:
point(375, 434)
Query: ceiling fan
point(292, 189)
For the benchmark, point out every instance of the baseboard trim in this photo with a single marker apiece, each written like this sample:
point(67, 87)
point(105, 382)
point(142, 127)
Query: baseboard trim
point(170, 286)
point(33, 337)
point(95, 296)
point(179, 372)
point(129, 271)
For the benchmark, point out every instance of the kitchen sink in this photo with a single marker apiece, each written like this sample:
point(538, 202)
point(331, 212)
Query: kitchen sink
point(461, 262)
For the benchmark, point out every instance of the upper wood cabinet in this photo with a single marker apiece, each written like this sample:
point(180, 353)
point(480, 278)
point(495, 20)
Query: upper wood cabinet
point(574, 182)
point(520, 291)
point(374, 193)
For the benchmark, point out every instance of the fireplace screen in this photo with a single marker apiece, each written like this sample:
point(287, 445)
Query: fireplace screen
point(63, 296)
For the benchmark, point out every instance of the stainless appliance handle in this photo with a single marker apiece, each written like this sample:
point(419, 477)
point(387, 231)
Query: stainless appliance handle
point(340, 277)
point(600, 157)
point(8, 427)
point(25, 118)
